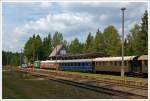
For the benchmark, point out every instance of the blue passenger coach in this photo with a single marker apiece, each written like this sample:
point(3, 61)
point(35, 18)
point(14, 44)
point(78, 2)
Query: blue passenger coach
point(77, 65)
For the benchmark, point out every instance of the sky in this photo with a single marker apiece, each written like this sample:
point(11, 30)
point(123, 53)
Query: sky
point(22, 20)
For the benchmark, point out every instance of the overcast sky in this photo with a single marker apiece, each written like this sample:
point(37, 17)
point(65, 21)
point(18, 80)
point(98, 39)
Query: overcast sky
point(22, 20)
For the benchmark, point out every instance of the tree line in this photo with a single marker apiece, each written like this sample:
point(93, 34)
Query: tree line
point(108, 42)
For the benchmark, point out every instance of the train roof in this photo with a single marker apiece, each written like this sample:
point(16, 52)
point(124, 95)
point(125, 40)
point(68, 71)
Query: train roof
point(114, 58)
point(75, 60)
point(143, 57)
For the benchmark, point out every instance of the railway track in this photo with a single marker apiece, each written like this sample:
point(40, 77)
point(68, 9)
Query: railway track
point(121, 94)
point(126, 83)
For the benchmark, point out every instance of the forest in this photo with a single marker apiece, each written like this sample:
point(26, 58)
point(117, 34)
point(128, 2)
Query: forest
point(108, 42)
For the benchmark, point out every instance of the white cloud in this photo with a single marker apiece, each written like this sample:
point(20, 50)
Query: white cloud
point(59, 21)
point(45, 5)
point(63, 22)
point(72, 19)
point(103, 17)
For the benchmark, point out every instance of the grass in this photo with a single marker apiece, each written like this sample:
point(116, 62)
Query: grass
point(20, 85)
point(100, 75)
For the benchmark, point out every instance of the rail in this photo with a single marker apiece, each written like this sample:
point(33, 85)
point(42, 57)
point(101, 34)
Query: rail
point(126, 83)
point(84, 85)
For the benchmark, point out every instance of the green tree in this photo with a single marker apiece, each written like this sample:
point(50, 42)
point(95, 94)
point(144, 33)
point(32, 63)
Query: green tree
point(89, 45)
point(33, 48)
point(112, 41)
point(75, 46)
point(15, 60)
point(9, 58)
point(99, 45)
point(47, 46)
point(144, 32)
point(38, 47)
point(136, 41)
point(57, 39)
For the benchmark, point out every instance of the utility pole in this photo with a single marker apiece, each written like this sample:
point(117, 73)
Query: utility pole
point(21, 58)
point(122, 67)
point(7, 58)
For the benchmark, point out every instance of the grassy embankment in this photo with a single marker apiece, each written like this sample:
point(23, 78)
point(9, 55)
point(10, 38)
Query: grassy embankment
point(21, 85)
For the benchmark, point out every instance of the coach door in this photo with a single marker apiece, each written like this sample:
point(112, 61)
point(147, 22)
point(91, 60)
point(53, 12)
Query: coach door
point(135, 66)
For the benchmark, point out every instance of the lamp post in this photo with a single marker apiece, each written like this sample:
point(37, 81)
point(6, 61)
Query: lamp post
point(21, 58)
point(122, 67)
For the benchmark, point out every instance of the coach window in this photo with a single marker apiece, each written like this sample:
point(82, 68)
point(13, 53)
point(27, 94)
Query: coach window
point(103, 63)
point(119, 63)
point(125, 63)
point(78, 64)
point(73, 64)
point(99, 63)
point(86, 64)
point(110, 63)
point(145, 63)
point(115, 63)
point(83, 64)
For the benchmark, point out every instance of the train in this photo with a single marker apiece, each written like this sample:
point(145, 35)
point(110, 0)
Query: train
point(132, 64)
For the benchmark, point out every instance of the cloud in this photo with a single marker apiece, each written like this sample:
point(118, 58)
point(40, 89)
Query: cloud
point(55, 22)
point(71, 19)
point(103, 17)
point(67, 23)
point(45, 5)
